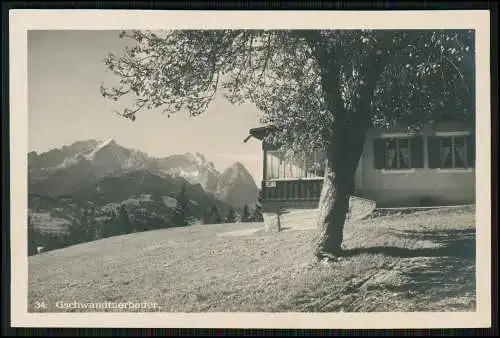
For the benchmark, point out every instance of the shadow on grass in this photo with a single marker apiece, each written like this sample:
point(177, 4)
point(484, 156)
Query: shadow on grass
point(446, 281)
point(450, 276)
point(451, 243)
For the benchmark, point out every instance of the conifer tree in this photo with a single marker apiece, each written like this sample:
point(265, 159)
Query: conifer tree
point(215, 216)
point(245, 216)
point(212, 216)
point(126, 226)
point(32, 237)
point(179, 216)
point(77, 231)
point(257, 213)
point(231, 216)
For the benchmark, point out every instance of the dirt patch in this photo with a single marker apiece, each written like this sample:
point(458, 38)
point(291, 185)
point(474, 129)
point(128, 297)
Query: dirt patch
point(238, 233)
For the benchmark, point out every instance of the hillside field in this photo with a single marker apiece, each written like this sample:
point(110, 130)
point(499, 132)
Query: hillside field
point(422, 261)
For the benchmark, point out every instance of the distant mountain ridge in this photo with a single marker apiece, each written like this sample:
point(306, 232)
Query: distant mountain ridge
point(233, 187)
point(149, 199)
point(73, 167)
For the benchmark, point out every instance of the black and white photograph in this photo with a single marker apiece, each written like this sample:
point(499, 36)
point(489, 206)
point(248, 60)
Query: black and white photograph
point(278, 171)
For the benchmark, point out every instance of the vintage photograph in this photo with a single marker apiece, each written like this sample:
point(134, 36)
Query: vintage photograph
point(251, 170)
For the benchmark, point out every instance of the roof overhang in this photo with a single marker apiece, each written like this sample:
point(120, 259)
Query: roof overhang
point(258, 132)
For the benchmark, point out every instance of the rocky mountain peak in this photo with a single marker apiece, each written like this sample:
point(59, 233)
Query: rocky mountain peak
point(83, 160)
point(237, 187)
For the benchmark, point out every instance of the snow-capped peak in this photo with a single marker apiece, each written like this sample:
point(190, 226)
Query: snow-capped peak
point(196, 158)
point(68, 162)
point(200, 158)
point(91, 156)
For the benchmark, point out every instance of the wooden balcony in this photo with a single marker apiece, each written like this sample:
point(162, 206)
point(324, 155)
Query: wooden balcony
point(292, 190)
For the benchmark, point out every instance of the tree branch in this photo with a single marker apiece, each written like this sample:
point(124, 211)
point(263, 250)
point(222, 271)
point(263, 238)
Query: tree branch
point(459, 72)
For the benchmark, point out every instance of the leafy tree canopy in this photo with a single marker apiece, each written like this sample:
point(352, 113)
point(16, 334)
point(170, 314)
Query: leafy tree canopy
point(318, 88)
point(303, 81)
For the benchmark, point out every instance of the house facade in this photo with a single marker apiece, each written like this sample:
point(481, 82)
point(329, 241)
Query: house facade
point(396, 169)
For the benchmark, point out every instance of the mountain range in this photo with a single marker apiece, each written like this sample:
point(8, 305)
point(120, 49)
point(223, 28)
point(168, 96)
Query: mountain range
point(101, 173)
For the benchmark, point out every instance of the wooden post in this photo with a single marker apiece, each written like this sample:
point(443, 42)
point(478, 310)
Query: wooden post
point(272, 221)
point(264, 163)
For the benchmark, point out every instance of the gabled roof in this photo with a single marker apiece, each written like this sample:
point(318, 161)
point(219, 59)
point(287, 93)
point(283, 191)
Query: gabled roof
point(258, 132)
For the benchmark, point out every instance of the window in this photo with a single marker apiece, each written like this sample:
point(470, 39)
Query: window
point(398, 153)
point(452, 152)
point(277, 166)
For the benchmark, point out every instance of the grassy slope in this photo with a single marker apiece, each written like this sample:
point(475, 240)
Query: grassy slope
point(417, 262)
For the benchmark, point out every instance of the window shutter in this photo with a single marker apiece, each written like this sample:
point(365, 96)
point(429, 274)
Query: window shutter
point(471, 150)
point(434, 151)
point(417, 152)
point(379, 153)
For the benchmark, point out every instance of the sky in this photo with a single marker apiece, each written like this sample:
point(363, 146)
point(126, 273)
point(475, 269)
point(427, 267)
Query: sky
point(65, 71)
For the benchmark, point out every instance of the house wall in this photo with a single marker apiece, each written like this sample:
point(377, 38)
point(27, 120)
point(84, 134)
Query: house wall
point(398, 188)
point(415, 187)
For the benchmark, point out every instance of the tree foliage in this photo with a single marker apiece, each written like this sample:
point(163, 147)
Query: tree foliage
point(317, 88)
point(231, 216)
point(245, 215)
point(125, 223)
point(301, 80)
point(257, 212)
point(212, 216)
point(33, 237)
point(179, 217)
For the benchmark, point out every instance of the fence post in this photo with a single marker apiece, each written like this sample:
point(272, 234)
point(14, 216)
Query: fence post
point(278, 214)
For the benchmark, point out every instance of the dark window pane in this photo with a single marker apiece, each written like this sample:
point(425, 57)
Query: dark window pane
point(446, 142)
point(391, 144)
point(392, 159)
point(446, 156)
point(379, 153)
point(404, 158)
point(460, 156)
point(403, 143)
point(433, 147)
point(459, 141)
point(417, 149)
point(404, 154)
point(471, 150)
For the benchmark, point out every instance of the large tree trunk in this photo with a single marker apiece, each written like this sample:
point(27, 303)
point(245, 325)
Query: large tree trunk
point(343, 155)
point(348, 133)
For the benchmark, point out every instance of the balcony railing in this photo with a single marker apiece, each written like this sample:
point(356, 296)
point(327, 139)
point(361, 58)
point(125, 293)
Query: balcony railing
point(299, 189)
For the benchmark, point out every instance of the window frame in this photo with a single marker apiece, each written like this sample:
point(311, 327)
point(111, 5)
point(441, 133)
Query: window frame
point(454, 135)
point(397, 137)
point(398, 157)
